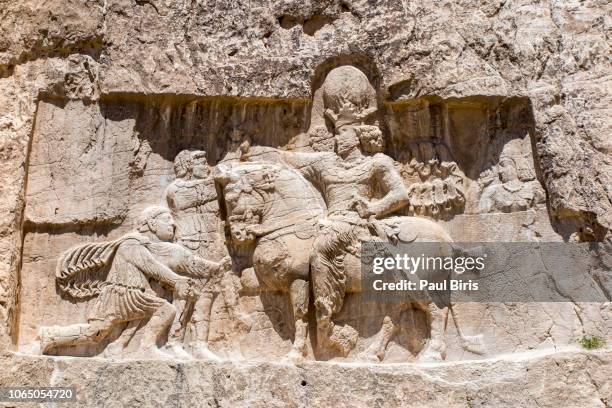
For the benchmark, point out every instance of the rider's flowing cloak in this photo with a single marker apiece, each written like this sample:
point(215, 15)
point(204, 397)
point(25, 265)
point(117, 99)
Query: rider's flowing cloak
point(81, 270)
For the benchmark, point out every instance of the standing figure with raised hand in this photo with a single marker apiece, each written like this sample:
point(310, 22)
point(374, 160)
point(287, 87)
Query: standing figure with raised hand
point(192, 198)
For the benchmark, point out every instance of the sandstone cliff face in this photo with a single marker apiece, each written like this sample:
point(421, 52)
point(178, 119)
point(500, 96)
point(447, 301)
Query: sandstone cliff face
point(109, 62)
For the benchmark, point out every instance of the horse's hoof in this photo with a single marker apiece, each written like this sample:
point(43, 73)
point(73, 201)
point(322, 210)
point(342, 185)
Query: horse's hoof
point(369, 357)
point(202, 352)
point(344, 339)
point(432, 354)
point(294, 357)
point(431, 357)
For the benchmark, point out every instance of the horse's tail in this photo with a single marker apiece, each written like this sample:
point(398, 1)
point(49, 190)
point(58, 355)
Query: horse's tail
point(79, 269)
point(474, 344)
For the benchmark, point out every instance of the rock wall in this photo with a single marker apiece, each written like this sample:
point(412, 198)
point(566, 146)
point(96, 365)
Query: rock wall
point(98, 97)
point(553, 53)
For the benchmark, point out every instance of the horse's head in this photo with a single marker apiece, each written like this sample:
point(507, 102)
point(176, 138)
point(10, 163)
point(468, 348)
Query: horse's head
point(247, 190)
point(262, 197)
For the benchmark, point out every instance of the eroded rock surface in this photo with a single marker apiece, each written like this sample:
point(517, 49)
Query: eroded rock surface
point(278, 135)
point(580, 380)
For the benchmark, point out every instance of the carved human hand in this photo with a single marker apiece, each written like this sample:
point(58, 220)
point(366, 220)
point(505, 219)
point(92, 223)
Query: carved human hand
point(225, 264)
point(255, 230)
point(184, 288)
point(362, 206)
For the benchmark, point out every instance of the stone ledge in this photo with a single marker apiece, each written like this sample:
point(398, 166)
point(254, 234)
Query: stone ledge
point(570, 378)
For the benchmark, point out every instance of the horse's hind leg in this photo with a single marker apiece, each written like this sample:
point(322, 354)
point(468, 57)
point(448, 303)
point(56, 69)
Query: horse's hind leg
point(299, 296)
point(435, 349)
point(473, 344)
point(376, 351)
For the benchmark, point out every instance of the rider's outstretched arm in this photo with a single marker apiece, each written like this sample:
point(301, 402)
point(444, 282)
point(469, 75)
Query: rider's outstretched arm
point(305, 162)
point(391, 181)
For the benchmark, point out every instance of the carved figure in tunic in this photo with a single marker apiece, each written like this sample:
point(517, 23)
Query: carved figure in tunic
point(192, 198)
point(125, 294)
point(508, 193)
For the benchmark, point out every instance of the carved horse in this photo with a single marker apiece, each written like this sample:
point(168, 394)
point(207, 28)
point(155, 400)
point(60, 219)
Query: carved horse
point(275, 209)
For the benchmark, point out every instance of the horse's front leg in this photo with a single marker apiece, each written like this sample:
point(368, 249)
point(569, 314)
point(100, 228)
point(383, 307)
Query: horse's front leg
point(299, 296)
point(329, 292)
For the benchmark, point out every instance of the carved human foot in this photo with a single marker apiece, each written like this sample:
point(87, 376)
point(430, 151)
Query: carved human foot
point(368, 356)
point(113, 351)
point(176, 350)
point(148, 353)
point(201, 351)
point(47, 339)
point(52, 337)
point(376, 351)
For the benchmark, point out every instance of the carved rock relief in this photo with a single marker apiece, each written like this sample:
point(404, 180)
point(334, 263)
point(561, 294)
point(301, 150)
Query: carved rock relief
point(231, 229)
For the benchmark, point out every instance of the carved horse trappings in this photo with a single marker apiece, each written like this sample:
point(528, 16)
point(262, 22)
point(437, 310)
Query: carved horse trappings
point(274, 209)
point(277, 211)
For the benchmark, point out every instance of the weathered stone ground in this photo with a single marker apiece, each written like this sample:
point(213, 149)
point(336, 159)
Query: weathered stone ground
point(570, 379)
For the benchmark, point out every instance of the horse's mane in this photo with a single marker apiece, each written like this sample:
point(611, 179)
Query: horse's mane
point(244, 168)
